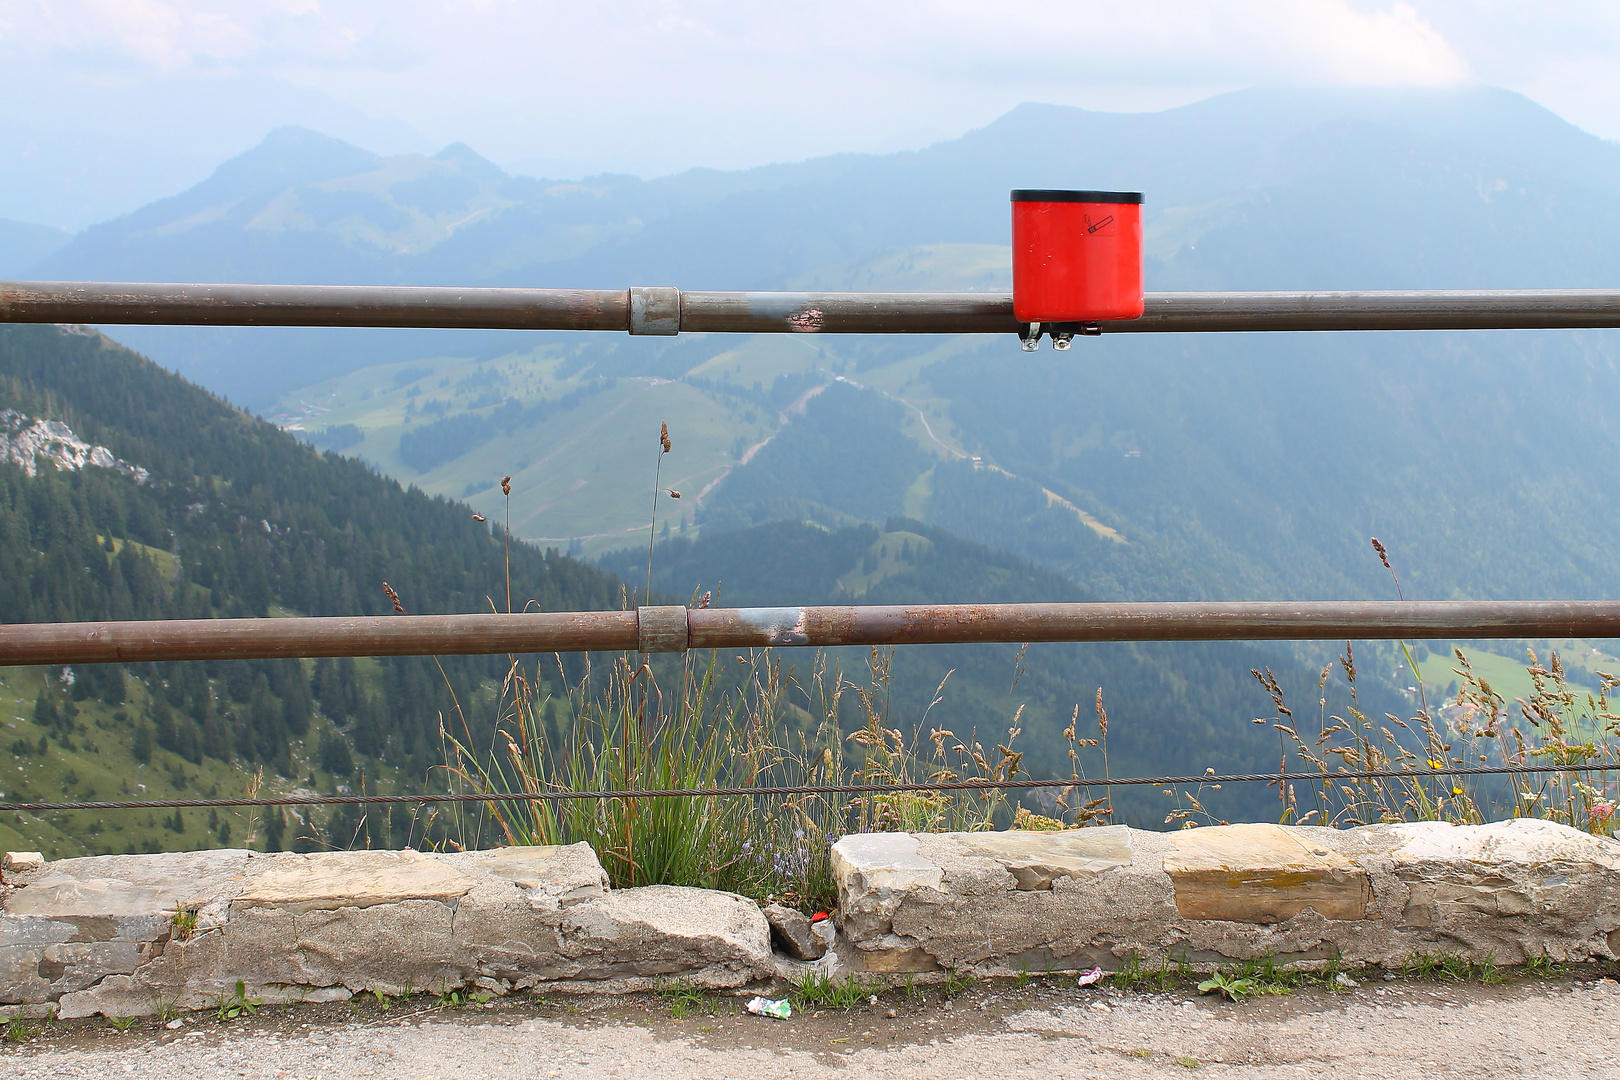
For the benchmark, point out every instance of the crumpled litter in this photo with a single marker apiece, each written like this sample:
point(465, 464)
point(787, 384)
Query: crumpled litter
point(1090, 978)
point(761, 1006)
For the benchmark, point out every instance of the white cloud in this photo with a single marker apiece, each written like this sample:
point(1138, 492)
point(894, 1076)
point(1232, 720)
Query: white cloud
point(727, 83)
point(659, 84)
point(164, 36)
point(1312, 39)
point(1379, 47)
point(725, 42)
point(1566, 55)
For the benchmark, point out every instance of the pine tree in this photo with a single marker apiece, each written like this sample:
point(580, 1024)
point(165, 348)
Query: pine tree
point(141, 747)
point(335, 757)
point(161, 717)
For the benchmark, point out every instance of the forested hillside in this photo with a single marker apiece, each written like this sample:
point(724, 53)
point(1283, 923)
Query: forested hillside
point(219, 514)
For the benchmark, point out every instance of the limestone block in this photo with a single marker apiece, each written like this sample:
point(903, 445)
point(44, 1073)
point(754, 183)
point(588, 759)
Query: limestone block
point(23, 945)
point(131, 892)
point(1262, 874)
point(996, 902)
point(20, 981)
point(181, 975)
point(636, 938)
point(287, 925)
point(1001, 903)
point(508, 926)
point(552, 877)
point(395, 948)
point(31, 975)
point(115, 995)
point(34, 931)
point(189, 974)
point(1037, 859)
point(871, 863)
point(77, 921)
point(1519, 841)
point(323, 881)
point(876, 873)
point(1518, 889)
point(21, 862)
point(791, 930)
point(297, 927)
point(503, 937)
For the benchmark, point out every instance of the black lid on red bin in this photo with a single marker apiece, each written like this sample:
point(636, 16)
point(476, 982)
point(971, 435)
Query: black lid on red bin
point(1055, 195)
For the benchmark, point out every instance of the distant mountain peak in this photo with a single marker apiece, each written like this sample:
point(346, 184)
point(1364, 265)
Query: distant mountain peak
point(288, 156)
point(471, 162)
point(293, 136)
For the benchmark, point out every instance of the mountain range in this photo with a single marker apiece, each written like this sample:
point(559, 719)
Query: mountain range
point(1462, 188)
point(1229, 465)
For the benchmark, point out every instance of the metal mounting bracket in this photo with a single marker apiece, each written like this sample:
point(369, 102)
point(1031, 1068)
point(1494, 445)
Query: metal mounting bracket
point(661, 629)
point(655, 311)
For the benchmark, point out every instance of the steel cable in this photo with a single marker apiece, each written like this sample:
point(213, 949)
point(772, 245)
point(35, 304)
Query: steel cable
point(806, 789)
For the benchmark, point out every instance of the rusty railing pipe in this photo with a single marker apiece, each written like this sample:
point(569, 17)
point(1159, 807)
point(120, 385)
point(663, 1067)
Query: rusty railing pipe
point(933, 624)
point(258, 639)
point(135, 303)
point(663, 311)
point(675, 629)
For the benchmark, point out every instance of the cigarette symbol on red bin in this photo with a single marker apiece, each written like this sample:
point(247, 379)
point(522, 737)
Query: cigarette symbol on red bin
point(1098, 226)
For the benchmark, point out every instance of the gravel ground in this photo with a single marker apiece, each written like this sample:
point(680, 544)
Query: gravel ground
point(1552, 1029)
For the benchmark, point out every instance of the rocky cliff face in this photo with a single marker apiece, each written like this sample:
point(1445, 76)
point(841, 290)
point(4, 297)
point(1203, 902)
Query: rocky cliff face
point(24, 440)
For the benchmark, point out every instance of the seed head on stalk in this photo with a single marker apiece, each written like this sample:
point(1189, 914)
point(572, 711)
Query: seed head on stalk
point(506, 538)
point(652, 528)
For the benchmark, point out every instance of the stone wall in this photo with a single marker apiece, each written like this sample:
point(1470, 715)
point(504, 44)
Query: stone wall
point(1002, 903)
point(129, 935)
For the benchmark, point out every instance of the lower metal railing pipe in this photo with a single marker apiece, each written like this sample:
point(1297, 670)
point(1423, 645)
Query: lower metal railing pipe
point(1247, 621)
point(245, 639)
point(674, 629)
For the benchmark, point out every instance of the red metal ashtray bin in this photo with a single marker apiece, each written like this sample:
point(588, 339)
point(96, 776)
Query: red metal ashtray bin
point(1077, 258)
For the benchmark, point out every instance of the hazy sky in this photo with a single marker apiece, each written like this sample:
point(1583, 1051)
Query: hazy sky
point(127, 100)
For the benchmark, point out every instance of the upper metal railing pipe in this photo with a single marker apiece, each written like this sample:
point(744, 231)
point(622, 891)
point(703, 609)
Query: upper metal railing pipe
point(675, 629)
point(664, 311)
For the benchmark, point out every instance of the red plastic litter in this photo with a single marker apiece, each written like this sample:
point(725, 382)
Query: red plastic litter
point(1077, 256)
point(818, 916)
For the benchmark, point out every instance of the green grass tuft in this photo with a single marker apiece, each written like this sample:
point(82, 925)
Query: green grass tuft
point(818, 991)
